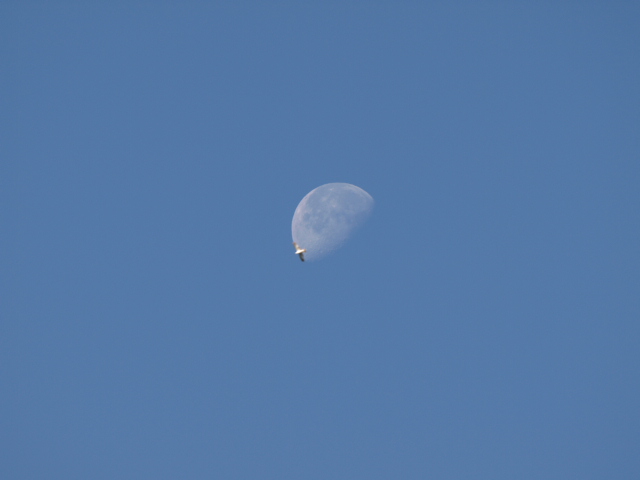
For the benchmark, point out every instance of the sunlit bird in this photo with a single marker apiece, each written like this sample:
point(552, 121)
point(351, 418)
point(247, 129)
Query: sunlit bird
point(299, 251)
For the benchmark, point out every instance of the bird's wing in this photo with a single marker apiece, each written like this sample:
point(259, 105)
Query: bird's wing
point(302, 256)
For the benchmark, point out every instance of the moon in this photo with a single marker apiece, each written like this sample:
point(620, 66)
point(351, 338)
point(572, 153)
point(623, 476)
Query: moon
point(328, 216)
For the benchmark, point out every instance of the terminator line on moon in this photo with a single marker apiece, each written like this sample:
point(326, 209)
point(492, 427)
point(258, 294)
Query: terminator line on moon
point(327, 217)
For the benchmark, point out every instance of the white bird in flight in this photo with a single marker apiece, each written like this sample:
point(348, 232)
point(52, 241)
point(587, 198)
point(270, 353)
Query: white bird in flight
point(299, 251)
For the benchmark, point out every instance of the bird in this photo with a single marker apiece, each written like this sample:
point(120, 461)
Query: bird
point(299, 251)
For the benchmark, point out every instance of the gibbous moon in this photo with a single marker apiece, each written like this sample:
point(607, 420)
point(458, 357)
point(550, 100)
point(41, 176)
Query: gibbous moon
point(327, 216)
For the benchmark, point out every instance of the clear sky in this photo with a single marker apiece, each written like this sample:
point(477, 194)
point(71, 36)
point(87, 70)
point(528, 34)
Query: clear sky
point(155, 322)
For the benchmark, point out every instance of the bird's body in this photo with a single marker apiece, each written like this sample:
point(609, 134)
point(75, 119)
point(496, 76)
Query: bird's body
point(299, 251)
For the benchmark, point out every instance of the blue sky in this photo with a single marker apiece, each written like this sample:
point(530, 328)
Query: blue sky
point(155, 322)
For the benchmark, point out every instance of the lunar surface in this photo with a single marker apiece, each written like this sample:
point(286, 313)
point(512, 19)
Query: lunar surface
point(328, 216)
